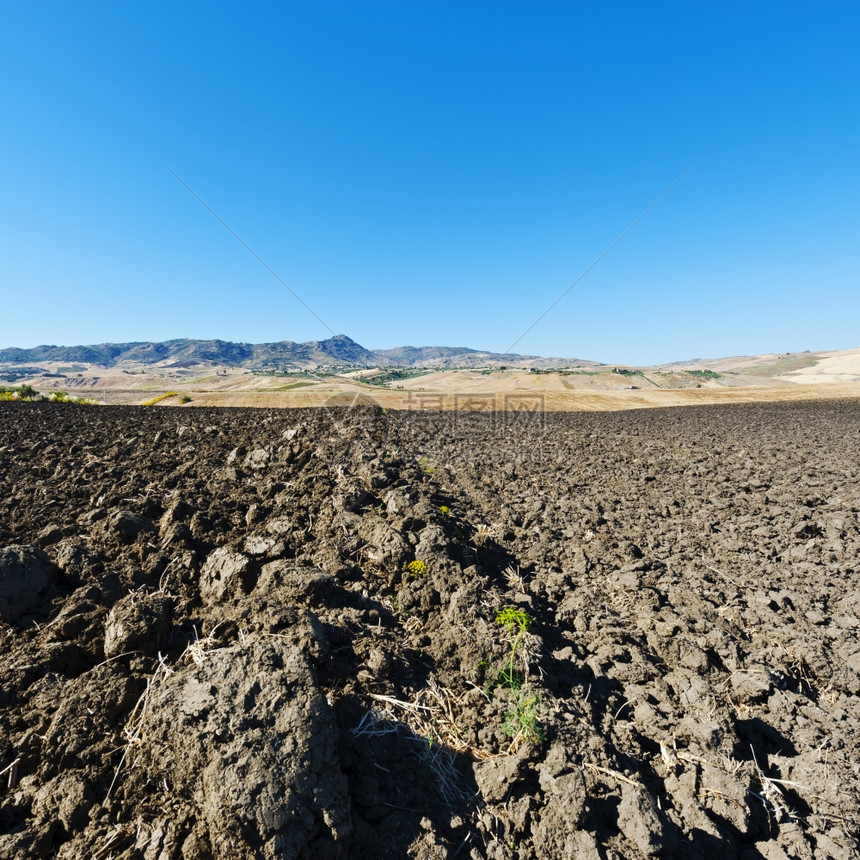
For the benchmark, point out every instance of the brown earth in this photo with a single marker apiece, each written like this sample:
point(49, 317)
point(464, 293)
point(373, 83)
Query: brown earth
point(216, 642)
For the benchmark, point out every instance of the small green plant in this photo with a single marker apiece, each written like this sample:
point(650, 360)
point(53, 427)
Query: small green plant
point(415, 568)
point(521, 720)
point(517, 624)
point(425, 469)
point(444, 510)
point(185, 399)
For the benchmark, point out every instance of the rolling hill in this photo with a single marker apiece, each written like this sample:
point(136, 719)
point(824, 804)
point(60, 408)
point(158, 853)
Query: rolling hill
point(337, 350)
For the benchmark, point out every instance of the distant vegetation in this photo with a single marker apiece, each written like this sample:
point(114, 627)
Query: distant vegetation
point(299, 374)
point(562, 371)
point(396, 374)
point(705, 374)
point(19, 392)
point(28, 394)
point(10, 374)
point(784, 364)
point(160, 397)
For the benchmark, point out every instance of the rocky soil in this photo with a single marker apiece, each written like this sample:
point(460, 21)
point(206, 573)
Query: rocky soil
point(344, 633)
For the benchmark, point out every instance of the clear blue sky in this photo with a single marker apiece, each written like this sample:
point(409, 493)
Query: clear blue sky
point(433, 173)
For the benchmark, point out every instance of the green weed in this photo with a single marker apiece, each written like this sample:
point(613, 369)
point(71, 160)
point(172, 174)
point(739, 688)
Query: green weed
point(521, 720)
point(517, 624)
point(426, 470)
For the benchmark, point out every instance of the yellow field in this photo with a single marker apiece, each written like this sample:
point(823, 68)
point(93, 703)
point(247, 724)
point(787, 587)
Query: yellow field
point(535, 398)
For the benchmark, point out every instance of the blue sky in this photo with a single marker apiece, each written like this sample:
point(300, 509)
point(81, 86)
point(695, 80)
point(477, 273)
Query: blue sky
point(433, 173)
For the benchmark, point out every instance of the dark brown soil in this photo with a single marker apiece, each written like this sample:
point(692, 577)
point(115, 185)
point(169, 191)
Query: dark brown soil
point(217, 643)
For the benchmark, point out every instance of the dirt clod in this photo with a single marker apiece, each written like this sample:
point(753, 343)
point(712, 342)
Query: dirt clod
point(26, 576)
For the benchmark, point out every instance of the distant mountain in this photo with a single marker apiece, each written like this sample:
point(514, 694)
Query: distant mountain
point(337, 350)
point(460, 356)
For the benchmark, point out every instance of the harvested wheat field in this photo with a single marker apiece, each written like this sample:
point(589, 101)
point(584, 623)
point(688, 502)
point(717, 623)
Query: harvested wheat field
point(345, 633)
point(487, 396)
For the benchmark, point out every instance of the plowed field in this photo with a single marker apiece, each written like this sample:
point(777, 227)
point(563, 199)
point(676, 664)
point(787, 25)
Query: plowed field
point(349, 633)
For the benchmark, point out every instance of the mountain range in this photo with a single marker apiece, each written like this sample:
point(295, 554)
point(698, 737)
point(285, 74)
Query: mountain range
point(337, 350)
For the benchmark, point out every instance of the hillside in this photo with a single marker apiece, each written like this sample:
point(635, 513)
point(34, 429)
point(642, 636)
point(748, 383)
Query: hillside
point(461, 356)
point(339, 370)
point(337, 350)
